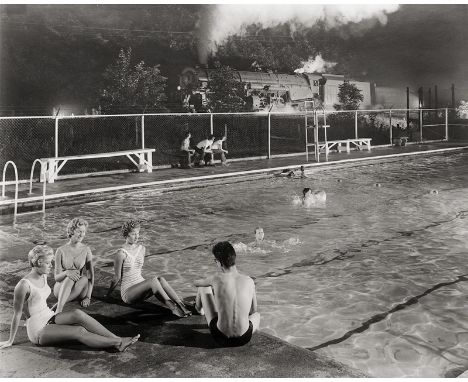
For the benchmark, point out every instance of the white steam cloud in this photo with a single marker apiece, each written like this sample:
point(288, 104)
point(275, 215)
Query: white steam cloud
point(223, 20)
point(315, 65)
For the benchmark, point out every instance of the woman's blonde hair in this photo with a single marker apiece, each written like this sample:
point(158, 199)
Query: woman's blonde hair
point(74, 224)
point(39, 252)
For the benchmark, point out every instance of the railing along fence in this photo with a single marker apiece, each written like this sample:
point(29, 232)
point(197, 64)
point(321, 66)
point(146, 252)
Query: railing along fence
point(249, 135)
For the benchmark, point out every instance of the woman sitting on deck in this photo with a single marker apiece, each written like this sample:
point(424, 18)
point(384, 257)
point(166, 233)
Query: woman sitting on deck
point(74, 272)
point(134, 288)
point(44, 327)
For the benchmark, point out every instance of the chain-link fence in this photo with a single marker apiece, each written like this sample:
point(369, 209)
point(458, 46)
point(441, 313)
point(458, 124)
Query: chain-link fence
point(24, 139)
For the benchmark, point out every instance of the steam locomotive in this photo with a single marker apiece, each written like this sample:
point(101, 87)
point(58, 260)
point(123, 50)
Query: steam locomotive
point(266, 91)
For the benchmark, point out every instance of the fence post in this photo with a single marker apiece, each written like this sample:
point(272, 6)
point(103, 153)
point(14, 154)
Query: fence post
point(446, 124)
point(391, 129)
point(211, 123)
point(306, 138)
point(143, 131)
point(420, 125)
point(355, 125)
point(269, 135)
point(56, 137)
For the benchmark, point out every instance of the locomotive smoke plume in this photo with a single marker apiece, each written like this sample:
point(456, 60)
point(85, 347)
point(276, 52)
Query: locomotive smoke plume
point(222, 20)
point(315, 65)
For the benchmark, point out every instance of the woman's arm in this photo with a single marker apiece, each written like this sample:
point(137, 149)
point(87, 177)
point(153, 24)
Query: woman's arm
point(118, 262)
point(90, 268)
point(21, 290)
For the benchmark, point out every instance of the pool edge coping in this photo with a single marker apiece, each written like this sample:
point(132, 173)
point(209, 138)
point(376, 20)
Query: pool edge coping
point(101, 190)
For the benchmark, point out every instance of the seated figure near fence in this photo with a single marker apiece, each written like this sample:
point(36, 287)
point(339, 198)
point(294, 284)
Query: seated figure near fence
point(186, 152)
point(217, 148)
point(203, 151)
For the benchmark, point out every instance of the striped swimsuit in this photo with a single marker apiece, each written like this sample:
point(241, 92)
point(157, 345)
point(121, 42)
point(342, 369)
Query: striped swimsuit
point(131, 271)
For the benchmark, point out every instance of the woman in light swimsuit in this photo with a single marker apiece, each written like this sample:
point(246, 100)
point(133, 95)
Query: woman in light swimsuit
point(134, 288)
point(74, 271)
point(44, 327)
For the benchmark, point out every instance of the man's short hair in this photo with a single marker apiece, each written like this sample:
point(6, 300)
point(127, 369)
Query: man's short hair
point(210, 137)
point(305, 190)
point(225, 253)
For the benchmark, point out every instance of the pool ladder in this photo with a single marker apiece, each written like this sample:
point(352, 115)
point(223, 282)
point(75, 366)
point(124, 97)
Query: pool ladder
point(42, 177)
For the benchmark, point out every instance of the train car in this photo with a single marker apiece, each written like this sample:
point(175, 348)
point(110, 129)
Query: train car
point(266, 91)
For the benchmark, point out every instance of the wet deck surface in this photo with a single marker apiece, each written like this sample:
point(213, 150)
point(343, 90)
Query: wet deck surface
point(168, 347)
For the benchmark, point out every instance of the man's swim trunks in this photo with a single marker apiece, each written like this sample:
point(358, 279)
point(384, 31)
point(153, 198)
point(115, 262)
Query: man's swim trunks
point(225, 341)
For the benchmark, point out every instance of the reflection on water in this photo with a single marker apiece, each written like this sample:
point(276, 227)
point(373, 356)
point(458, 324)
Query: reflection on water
point(375, 279)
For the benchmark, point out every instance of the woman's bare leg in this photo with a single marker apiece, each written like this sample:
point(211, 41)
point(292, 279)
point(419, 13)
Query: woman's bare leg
point(173, 295)
point(140, 291)
point(70, 290)
point(143, 290)
point(78, 317)
point(55, 334)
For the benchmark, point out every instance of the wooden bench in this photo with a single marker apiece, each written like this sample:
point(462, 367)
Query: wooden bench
point(50, 167)
point(359, 143)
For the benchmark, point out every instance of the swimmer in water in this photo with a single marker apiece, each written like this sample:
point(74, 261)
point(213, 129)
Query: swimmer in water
point(313, 197)
point(262, 246)
point(259, 235)
point(285, 173)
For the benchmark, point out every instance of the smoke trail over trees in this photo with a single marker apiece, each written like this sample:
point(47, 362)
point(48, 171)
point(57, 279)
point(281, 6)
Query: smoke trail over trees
point(220, 21)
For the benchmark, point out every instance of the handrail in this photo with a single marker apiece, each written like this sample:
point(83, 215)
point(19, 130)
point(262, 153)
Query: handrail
point(32, 172)
point(44, 181)
point(16, 184)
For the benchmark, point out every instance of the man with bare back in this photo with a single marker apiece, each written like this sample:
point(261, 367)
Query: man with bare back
point(228, 300)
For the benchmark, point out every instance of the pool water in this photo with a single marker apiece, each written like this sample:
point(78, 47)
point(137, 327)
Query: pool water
point(376, 278)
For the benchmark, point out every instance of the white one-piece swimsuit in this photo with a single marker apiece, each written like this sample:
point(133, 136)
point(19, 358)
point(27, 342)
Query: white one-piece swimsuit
point(39, 312)
point(131, 271)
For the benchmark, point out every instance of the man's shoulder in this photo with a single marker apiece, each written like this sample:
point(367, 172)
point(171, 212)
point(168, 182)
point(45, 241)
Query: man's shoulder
point(245, 279)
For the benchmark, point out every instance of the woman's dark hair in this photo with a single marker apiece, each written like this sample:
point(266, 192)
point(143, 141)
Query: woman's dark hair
point(305, 191)
point(187, 134)
point(129, 226)
point(224, 252)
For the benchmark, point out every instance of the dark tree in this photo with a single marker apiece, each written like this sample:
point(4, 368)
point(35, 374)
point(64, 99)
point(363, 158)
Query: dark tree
point(349, 96)
point(132, 88)
point(225, 91)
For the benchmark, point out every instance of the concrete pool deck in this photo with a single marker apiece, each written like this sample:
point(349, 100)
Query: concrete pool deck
point(168, 347)
point(77, 190)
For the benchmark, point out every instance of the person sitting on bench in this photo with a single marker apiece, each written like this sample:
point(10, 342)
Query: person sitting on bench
point(217, 148)
point(186, 152)
point(203, 150)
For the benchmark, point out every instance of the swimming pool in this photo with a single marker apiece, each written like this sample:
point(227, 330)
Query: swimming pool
point(376, 280)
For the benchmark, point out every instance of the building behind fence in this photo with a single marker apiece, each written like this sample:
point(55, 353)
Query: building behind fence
point(249, 135)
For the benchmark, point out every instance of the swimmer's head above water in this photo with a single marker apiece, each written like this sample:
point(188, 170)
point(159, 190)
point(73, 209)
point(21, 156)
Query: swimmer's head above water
point(259, 234)
point(313, 196)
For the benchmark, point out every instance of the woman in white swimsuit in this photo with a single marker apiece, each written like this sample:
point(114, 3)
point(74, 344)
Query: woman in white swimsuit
point(134, 288)
point(74, 272)
point(44, 327)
